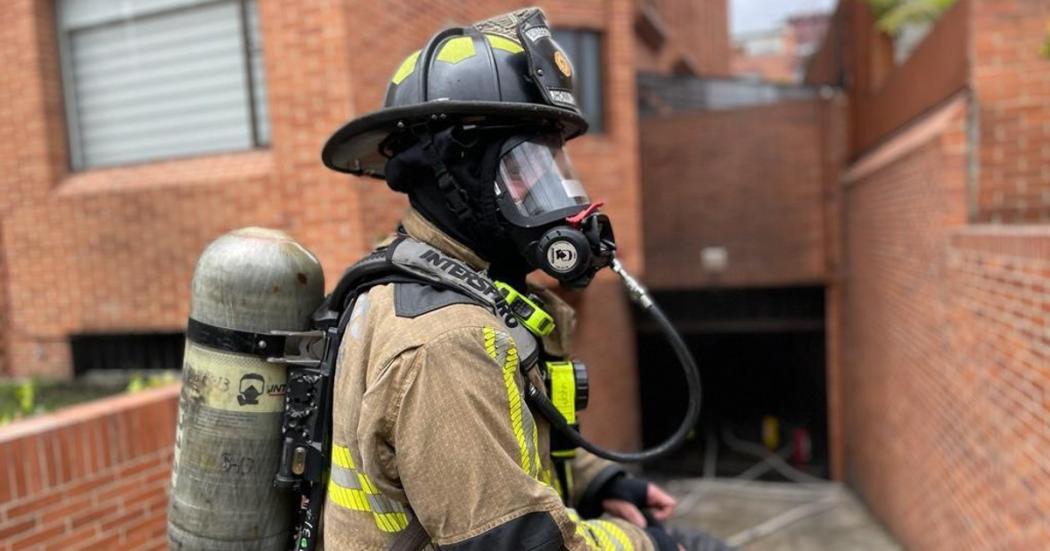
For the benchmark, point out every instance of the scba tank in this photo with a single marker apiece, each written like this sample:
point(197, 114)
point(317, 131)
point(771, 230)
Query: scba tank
point(247, 284)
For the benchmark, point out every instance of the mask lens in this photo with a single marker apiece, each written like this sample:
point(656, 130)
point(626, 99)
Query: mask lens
point(540, 179)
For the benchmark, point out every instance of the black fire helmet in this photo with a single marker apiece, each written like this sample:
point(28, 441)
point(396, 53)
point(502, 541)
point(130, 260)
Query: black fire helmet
point(505, 71)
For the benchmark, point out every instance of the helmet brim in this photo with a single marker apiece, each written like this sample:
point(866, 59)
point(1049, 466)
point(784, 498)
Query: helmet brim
point(354, 148)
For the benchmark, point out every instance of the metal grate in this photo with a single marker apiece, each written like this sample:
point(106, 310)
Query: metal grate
point(127, 352)
point(661, 95)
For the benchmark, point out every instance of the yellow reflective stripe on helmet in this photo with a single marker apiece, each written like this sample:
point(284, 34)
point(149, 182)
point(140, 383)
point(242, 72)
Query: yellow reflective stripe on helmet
point(457, 50)
point(505, 44)
point(406, 68)
point(353, 490)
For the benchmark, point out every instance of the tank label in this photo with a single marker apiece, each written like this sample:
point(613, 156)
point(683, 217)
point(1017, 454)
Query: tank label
point(233, 382)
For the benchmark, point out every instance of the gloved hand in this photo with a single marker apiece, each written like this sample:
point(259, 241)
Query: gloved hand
point(626, 497)
point(644, 504)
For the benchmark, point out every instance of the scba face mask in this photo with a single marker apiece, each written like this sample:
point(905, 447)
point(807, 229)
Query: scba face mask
point(553, 222)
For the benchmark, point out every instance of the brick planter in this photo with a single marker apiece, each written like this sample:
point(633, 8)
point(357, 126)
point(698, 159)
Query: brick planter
point(89, 476)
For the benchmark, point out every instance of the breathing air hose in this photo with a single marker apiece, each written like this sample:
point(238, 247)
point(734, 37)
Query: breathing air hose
point(640, 296)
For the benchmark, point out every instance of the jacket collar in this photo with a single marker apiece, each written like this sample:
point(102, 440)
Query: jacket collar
point(423, 230)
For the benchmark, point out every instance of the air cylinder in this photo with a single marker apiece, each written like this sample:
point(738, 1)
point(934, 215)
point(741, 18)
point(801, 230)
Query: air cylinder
point(247, 284)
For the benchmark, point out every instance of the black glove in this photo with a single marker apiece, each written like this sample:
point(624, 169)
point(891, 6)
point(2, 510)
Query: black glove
point(631, 490)
point(612, 483)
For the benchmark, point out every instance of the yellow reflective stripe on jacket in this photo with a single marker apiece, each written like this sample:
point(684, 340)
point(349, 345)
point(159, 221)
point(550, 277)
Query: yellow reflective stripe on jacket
point(502, 350)
point(353, 490)
point(582, 530)
point(537, 464)
point(614, 535)
point(600, 535)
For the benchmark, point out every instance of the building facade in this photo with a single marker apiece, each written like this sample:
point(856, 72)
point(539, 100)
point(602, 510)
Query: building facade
point(147, 129)
point(779, 54)
point(941, 293)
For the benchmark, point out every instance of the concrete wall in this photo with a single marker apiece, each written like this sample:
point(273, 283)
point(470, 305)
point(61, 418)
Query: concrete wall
point(91, 476)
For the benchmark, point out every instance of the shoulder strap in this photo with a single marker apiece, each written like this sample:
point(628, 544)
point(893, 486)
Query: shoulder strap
point(406, 260)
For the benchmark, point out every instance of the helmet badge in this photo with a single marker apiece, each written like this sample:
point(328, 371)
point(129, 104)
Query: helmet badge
point(563, 63)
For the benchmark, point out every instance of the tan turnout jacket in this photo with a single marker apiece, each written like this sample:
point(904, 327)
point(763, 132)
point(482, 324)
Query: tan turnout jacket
point(430, 420)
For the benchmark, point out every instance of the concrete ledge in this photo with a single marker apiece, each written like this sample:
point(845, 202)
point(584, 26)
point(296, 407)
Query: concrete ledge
point(1026, 241)
point(80, 413)
point(909, 138)
point(212, 170)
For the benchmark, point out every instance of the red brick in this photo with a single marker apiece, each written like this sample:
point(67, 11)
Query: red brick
point(7, 483)
point(759, 195)
point(71, 505)
point(14, 528)
point(34, 504)
point(71, 539)
point(939, 399)
point(38, 536)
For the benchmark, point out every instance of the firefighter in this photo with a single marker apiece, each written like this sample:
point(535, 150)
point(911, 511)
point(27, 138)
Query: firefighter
point(433, 441)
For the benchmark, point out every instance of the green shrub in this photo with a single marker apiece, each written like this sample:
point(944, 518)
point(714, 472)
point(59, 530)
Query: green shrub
point(893, 15)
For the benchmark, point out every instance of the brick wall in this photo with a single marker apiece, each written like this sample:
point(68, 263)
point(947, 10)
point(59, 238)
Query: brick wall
point(749, 180)
point(944, 349)
point(1000, 308)
point(696, 37)
point(1012, 85)
point(883, 95)
point(93, 476)
point(112, 250)
point(897, 363)
point(3, 309)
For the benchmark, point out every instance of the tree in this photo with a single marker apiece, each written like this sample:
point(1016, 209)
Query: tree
point(892, 16)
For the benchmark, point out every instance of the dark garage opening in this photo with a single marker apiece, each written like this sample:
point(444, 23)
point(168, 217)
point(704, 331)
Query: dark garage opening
point(761, 354)
point(126, 352)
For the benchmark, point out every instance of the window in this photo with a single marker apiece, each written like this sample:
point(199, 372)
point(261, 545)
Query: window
point(127, 352)
point(584, 48)
point(156, 79)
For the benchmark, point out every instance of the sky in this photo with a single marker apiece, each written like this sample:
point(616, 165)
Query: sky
point(753, 15)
